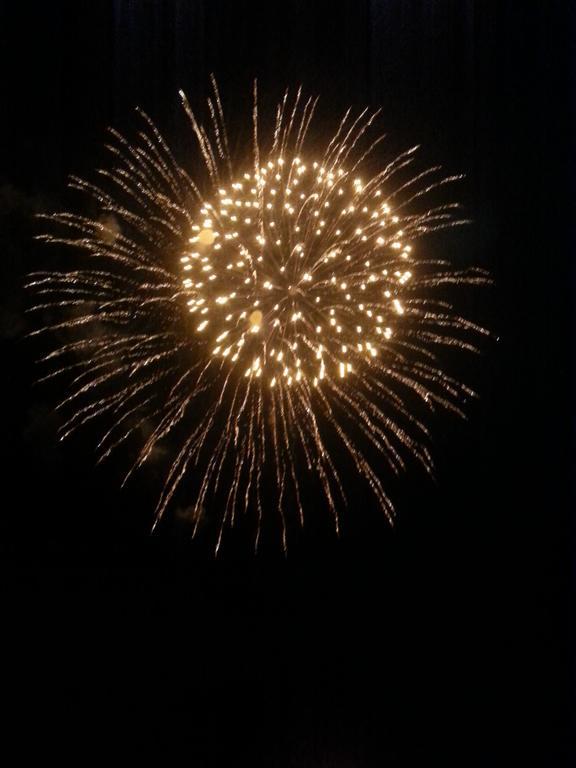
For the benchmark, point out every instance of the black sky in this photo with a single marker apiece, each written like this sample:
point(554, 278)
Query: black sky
point(444, 641)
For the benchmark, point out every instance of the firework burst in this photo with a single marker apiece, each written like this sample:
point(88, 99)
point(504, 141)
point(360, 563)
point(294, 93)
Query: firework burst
point(278, 319)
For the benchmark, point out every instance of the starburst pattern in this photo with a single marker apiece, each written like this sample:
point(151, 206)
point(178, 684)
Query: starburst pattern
point(277, 320)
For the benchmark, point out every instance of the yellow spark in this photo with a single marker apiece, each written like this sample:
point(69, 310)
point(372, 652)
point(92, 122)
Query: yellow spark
point(206, 237)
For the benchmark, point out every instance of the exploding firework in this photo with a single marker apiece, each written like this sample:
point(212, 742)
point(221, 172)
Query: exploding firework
point(280, 319)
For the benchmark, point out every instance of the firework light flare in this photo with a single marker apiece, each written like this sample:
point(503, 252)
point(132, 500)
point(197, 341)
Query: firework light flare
point(280, 318)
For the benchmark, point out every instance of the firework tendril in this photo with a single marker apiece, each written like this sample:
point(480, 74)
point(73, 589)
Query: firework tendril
point(278, 318)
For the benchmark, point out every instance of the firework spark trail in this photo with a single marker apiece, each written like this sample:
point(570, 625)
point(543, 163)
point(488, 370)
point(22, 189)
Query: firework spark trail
point(277, 316)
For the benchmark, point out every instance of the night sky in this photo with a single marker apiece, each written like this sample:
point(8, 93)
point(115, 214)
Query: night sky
point(441, 641)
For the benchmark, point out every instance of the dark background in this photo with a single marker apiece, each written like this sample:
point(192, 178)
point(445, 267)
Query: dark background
point(443, 641)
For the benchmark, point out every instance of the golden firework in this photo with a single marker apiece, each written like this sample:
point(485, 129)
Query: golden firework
point(271, 319)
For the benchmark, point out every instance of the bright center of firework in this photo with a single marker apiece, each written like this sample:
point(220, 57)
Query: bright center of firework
point(297, 272)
